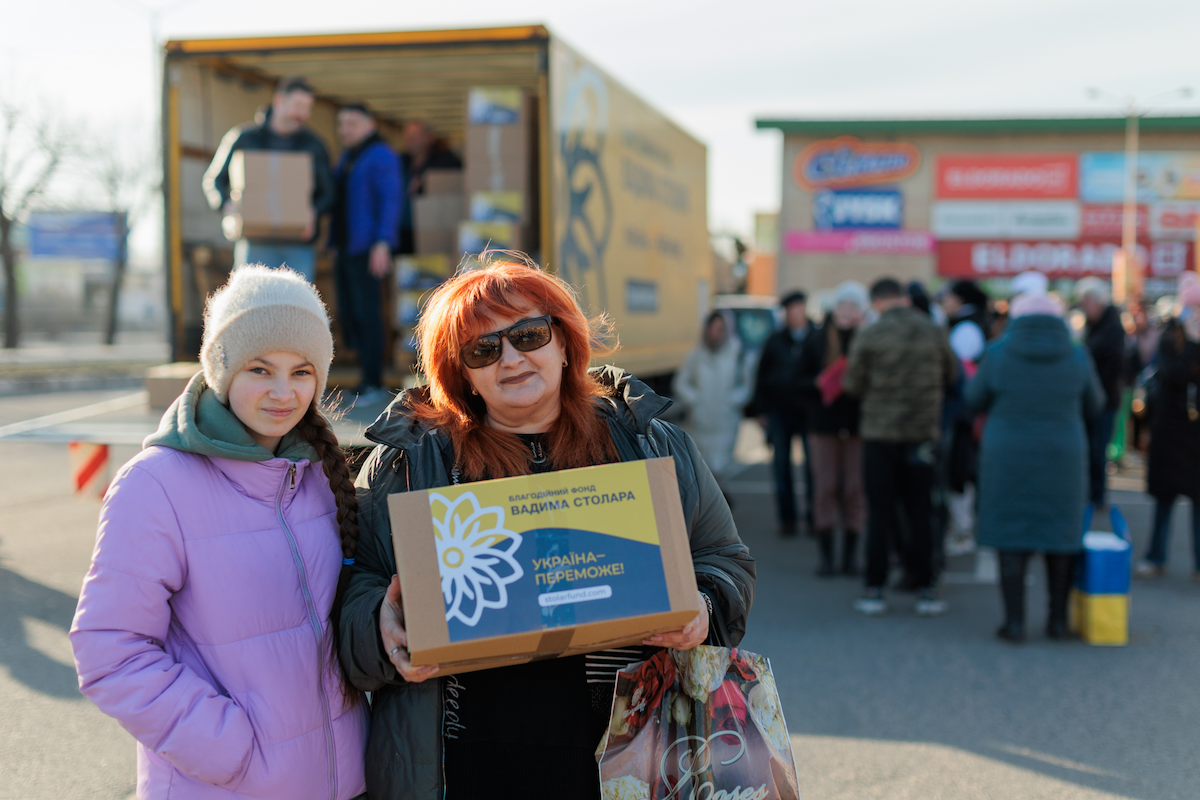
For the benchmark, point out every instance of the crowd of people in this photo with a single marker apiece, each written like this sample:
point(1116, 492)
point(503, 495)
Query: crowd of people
point(931, 425)
point(242, 598)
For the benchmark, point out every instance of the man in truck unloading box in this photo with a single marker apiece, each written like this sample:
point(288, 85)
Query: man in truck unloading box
point(282, 128)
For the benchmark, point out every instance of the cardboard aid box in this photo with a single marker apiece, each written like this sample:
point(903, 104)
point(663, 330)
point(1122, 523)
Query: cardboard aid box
point(507, 571)
point(499, 141)
point(500, 153)
point(437, 212)
point(271, 192)
point(166, 382)
point(475, 237)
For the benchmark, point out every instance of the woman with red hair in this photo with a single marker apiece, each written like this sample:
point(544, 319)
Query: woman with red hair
point(505, 350)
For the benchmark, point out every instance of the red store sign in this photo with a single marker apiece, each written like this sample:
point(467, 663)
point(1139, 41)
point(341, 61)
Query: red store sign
point(1056, 259)
point(1107, 220)
point(1015, 176)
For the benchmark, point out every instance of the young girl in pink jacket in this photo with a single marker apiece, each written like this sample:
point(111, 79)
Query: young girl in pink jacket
point(205, 626)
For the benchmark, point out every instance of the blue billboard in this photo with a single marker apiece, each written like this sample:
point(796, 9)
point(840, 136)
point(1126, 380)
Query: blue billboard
point(835, 209)
point(75, 234)
point(1164, 175)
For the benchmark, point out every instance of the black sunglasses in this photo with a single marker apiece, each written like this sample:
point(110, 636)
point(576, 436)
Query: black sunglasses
point(526, 335)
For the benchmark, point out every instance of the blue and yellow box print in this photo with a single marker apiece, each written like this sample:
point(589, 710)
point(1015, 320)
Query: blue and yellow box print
point(1100, 600)
point(1100, 619)
point(571, 556)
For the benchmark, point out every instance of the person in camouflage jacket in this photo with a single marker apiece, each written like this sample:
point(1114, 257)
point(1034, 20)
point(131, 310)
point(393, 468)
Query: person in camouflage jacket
point(899, 367)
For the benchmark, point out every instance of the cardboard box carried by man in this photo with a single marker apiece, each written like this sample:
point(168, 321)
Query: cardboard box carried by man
point(271, 195)
point(507, 571)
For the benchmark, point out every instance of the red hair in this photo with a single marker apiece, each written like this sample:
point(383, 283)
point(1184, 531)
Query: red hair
point(455, 314)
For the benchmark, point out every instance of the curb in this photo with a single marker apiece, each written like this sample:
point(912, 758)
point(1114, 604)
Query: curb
point(46, 379)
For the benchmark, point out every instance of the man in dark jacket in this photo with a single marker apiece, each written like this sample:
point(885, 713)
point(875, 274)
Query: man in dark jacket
point(363, 234)
point(282, 127)
point(899, 368)
point(779, 402)
point(1105, 338)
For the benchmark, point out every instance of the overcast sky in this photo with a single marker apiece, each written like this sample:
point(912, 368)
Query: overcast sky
point(712, 66)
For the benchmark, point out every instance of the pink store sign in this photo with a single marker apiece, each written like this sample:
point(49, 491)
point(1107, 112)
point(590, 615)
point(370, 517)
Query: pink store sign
point(891, 243)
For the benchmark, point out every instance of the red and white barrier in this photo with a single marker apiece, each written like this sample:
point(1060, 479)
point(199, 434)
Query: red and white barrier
point(89, 468)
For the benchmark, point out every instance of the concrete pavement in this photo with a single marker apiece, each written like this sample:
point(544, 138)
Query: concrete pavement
point(80, 363)
point(901, 707)
point(892, 708)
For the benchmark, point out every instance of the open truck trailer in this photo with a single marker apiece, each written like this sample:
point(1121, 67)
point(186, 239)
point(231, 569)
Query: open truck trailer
point(617, 203)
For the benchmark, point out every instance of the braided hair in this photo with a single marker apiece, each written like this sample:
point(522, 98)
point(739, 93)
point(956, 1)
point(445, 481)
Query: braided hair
point(315, 429)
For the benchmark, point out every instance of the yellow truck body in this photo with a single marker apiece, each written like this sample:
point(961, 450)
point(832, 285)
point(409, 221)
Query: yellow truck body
point(620, 206)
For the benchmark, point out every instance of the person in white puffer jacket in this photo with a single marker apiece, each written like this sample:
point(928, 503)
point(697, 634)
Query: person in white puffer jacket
point(714, 383)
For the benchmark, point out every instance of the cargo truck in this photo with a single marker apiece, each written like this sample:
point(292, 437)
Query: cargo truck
point(616, 192)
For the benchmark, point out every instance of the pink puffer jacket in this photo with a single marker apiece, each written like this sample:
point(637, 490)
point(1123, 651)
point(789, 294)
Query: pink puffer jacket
point(203, 629)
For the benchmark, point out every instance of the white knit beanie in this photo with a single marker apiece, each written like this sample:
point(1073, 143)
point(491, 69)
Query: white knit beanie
point(1031, 282)
point(852, 292)
point(259, 311)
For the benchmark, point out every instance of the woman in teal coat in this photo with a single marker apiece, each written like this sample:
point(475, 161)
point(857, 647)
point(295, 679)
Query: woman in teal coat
point(1036, 387)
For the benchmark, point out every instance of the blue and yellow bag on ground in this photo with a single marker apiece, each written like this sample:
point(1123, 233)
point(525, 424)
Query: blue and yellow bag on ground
point(1100, 598)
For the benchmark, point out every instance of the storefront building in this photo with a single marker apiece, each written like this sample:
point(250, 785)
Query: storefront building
point(986, 199)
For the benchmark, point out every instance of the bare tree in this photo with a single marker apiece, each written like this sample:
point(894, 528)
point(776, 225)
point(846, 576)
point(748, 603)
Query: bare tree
point(33, 148)
point(125, 165)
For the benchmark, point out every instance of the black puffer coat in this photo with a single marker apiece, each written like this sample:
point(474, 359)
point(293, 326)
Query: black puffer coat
point(1106, 342)
point(404, 756)
point(777, 388)
point(1173, 463)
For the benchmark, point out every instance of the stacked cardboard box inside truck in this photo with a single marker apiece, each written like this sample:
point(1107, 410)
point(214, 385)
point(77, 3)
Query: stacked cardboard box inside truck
point(500, 176)
point(490, 203)
point(437, 213)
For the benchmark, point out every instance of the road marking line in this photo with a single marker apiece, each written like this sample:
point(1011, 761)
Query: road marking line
point(75, 414)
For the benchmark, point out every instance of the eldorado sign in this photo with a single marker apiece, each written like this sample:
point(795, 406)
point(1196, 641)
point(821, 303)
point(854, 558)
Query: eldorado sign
point(1074, 259)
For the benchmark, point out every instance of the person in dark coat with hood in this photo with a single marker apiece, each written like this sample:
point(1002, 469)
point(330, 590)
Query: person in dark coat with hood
point(1173, 465)
point(1105, 338)
point(1037, 388)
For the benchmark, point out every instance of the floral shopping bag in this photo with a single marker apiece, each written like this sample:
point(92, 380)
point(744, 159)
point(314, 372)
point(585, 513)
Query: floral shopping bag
point(702, 724)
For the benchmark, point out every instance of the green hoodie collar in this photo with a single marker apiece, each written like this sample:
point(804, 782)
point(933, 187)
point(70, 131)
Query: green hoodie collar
point(197, 422)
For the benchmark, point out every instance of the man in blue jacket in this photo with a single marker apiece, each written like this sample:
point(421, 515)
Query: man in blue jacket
point(366, 218)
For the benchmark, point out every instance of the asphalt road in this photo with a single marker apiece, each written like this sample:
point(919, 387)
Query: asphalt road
point(896, 707)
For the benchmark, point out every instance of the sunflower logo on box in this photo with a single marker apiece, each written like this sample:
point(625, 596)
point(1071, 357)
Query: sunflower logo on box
point(475, 555)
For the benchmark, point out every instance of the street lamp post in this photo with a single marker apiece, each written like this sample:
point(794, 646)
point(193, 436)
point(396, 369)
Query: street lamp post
point(1127, 272)
point(1130, 279)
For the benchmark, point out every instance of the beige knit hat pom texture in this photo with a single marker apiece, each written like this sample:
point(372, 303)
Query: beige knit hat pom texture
point(260, 311)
